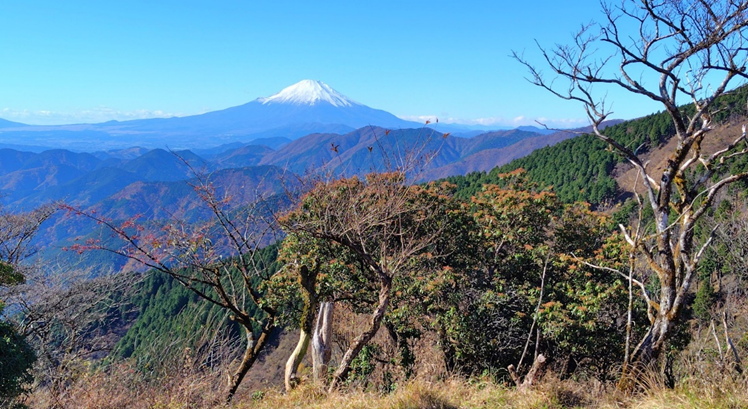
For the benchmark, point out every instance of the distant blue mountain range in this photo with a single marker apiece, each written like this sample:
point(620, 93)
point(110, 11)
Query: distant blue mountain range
point(299, 110)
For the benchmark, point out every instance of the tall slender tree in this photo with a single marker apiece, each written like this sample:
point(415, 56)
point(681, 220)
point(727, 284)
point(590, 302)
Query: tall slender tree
point(672, 52)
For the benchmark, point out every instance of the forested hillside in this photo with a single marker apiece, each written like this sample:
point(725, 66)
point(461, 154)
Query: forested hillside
point(581, 168)
point(171, 318)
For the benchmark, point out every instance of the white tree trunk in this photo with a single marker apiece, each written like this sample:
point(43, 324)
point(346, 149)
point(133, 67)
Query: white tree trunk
point(322, 342)
point(294, 361)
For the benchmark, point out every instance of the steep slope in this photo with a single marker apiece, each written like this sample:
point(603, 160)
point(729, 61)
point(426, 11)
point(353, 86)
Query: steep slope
point(495, 140)
point(147, 202)
point(167, 199)
point(438, 155)
point(723, 134)
point(80, 161)
point(363, 150)
point(85, 190)
point(12, 160)
point(23, 174)
point(19, 184)
point(30, 179)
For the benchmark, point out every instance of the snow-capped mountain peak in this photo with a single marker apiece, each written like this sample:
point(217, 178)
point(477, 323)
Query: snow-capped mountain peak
point(308, 92)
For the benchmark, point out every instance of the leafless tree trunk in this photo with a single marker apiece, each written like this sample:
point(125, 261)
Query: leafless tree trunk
point(251, 352)
point(736, 364)
point(322, 342)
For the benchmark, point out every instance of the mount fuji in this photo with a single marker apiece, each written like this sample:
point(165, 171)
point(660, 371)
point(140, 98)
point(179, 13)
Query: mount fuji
point(302, 104)
point(303, 108)
point(308, 92)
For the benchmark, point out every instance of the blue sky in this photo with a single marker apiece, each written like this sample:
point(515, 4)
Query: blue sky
point(91, 61)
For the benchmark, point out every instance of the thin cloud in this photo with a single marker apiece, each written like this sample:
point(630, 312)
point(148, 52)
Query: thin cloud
point(503, 122)
point(94, 115)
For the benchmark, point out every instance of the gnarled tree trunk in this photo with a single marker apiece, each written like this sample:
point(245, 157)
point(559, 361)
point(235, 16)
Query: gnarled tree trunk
point(682, 190)
point(250, 356)
point(294, 361)
point(651, 349)
point(308, 280)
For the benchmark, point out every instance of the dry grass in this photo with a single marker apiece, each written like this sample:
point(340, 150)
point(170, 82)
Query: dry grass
point(121, 386)
point(453, 393)
point(122, 389)
point(551, 394)
point(697, 393)
point(705, 382)
point(181, 383)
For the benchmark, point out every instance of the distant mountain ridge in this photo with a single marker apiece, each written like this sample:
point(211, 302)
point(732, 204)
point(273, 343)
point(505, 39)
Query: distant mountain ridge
point(303, 108)
point(10, 124)
point(306, 107)
point(29, 179)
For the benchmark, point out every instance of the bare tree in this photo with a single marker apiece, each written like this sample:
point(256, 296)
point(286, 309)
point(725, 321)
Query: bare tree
point(670, 52)
point(16, 233)
point(17, 230)
point(68, 316)
point(218, 259)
